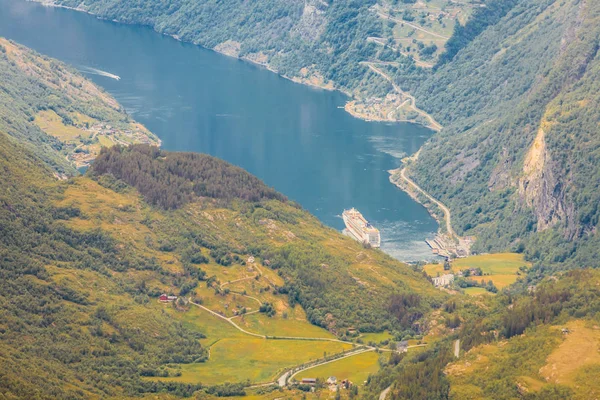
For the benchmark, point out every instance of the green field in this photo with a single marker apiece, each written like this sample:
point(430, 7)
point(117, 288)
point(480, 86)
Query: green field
point(259, 360)
point(356, 368)
point(476, 291)
point(376, 337)
point(278, 326)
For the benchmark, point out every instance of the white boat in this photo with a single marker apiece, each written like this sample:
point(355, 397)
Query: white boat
point(360, 229)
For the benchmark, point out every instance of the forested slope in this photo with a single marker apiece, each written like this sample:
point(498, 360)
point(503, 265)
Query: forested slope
point(518, 160)
point(56, 113)
point(316, 41)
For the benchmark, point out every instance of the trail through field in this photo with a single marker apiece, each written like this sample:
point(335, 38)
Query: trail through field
point(457, 348)
point(282, 380)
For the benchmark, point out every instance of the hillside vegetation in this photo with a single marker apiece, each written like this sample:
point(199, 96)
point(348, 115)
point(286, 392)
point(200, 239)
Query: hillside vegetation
point(324, 43)
point(538, 345)
point(517, 162)
point(84, 260)
point(514, 83)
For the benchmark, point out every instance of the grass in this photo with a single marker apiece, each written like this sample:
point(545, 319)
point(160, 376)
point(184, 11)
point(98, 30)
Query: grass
point(475, 291)
point(376, 337)
point(51, 123)
point(234, 356)
point(580, 348)
point(259, 360)
point(356, 368)
point(294, 325)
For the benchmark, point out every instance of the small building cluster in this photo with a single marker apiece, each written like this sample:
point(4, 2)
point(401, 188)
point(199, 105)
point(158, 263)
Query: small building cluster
point(164, 298)
point(443, 280)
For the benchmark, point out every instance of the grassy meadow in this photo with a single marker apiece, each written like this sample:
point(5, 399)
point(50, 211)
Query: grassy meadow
point(356, 368)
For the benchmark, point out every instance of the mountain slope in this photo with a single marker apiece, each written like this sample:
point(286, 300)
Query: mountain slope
point(517, 161)
point(84, 260)
point(55, 112)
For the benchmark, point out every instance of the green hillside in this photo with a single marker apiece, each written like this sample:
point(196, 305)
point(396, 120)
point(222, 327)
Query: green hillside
point(514, 83)
point(517, 162)
point(544, 344)
point(84, 260)
point(324, 43)
point(56, 113)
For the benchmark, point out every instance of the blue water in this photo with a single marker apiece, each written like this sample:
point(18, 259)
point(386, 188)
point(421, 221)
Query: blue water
point(293, 137)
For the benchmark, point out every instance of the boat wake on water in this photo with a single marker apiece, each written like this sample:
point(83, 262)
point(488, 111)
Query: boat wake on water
point(94, 71)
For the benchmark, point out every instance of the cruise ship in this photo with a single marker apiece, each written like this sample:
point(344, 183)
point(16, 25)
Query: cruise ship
point(360, 229)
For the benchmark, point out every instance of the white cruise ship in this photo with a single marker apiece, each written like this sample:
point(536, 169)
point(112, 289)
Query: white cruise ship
point(360, 229)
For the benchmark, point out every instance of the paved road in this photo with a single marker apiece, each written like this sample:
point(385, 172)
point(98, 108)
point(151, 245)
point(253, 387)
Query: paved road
point(434, 124)
point(281, 381)
point(445, 209)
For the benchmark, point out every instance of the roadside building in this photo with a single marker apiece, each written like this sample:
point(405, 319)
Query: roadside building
point(308, 381)
point(443, 280)
point(402, 346)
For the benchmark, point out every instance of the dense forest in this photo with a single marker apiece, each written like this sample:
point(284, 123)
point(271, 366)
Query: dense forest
point(75, 336)
point(171, 180)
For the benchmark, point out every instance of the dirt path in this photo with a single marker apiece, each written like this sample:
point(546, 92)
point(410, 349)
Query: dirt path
point(228, 320)
point(381, 42)
point(401, 21)
point(384, 394)
point(457, 348)
point(434, 124)
point(282, 380)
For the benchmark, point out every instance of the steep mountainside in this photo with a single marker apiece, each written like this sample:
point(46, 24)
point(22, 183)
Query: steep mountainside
point(83, 262)
point(518, 160)
point(330, 44)
point(59, 115)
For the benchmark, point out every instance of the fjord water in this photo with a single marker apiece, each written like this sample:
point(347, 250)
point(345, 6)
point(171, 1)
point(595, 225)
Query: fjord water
point(295, 138)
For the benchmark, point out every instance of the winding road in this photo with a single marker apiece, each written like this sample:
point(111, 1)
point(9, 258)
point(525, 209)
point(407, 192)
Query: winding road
point(446, 210)
point(434, 124)
point(282, 380)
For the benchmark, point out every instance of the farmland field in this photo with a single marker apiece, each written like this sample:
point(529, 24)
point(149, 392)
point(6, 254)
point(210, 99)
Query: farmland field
point(259, 360)
point(356, 368)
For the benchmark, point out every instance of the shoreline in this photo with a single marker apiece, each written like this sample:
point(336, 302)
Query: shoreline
point(446, 244)
point(302, 81)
